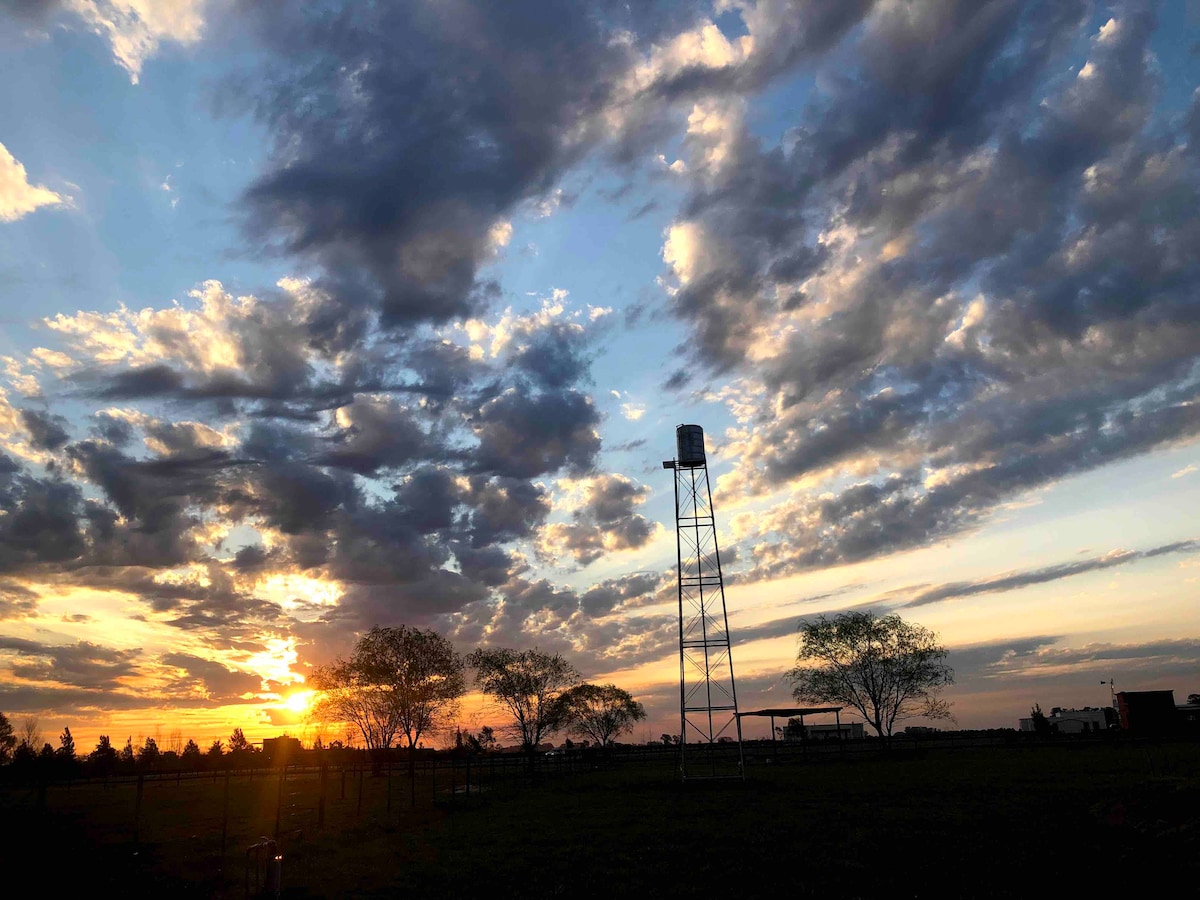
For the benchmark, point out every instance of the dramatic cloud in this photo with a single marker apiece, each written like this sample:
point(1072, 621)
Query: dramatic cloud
point(396, 171)
point(82, 664)
point(603, 522)
point(961, 275)
point(928, 256)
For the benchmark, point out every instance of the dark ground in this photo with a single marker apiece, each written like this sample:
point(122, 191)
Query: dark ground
point(1040, 820)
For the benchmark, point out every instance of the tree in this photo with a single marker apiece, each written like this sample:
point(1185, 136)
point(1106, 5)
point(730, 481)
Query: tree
point(600, 712)
point(8, 740)
point(486, 739)
point(528, 684)
point(31, 735)
point(149, 753)
point(214, 754)
point(66, 750)
point(1041, 725)
point(238, 742)
point(398, 681)
point(127, 751)
point(104, 756)
point(882, 666)
point(191, 754)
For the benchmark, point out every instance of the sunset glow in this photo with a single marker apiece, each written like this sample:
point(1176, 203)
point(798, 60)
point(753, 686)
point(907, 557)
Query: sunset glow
point(307, 329)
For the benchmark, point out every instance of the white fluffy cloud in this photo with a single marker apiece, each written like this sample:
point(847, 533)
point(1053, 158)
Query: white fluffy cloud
point(136, 28)
point(18, 198)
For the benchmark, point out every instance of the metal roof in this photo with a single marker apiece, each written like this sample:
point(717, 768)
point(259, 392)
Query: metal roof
point(793, 711)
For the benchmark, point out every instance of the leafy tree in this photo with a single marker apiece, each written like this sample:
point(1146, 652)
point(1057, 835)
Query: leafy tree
point(66, 750)
point(104, 756)
point(148, 755)
point(238, 742)
point(1041, 725)
point(486, 739)
point(600, 712)
point(882, 666)
point(397, 681)
point(191, 754)
point(47, 753)
point(215, 749)
point(127, 755)
point(24, 755)
point(528, 684)
point(8, 740)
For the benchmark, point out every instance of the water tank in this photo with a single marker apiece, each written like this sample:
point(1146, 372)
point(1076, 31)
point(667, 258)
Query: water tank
point(689, 443)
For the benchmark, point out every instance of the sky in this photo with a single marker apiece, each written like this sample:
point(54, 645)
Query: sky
point(320, 316)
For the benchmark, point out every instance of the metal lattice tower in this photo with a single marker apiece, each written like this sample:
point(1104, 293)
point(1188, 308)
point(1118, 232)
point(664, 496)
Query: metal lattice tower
point(707, 695)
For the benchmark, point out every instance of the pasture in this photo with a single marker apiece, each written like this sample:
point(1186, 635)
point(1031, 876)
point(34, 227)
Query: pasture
point(1021, 820)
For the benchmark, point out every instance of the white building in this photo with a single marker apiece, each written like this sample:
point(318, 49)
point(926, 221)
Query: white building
point(1076, 721)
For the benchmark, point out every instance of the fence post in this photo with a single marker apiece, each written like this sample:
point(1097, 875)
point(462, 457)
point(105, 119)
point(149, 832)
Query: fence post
point(321, 804)
point(343, 797)
point(468, 777)
point(137, 809)
point(360, 790)
point(279, 800)
point(225, 818)
point(389, 786)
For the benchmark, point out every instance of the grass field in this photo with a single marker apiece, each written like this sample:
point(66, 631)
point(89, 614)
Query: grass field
point(1005, 821)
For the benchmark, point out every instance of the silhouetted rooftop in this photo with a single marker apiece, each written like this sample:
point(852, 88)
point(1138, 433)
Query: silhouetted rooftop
point(793, 711)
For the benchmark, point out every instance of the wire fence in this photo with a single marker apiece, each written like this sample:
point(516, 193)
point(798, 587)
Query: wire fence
point(223, 809)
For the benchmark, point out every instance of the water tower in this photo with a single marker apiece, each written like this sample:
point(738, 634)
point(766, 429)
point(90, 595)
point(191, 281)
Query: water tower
point(710, 730)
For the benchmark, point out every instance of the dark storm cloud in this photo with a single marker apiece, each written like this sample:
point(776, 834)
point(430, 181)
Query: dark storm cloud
point(555, 356)
point(46, 431)
point(155, 497)
point(605, 597)
point(41, 521)
point(108, 427)
point(403, 132)
point(375, 434)
point(297, 498)
point(423, 600)
point(992, 251)
point(82, 664)
point(524, 436)
point(504, 509)
point(606, 521)
point(216, 681)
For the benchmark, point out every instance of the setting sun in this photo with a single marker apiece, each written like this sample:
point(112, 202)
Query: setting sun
point(300, 701)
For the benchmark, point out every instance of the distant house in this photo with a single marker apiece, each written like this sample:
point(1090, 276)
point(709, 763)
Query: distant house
point(1081, 721)
point(281, 750)
point(1189, 715)
point(1089, 719)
